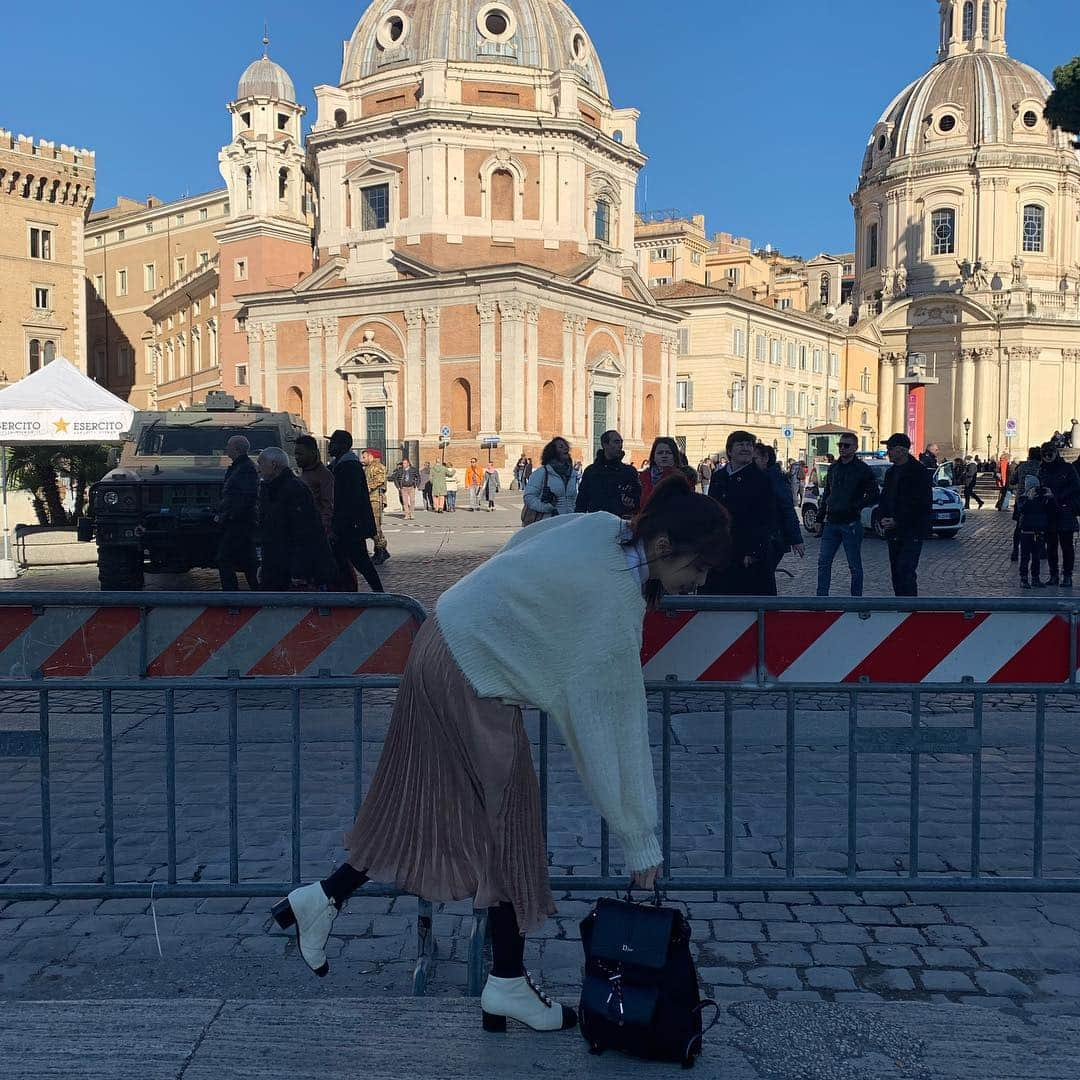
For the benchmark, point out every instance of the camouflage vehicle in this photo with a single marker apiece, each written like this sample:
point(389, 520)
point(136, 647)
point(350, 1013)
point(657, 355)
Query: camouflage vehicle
point(154, 512)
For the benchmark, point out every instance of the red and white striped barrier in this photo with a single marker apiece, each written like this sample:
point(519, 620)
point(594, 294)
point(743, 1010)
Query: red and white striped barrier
point(923, 647)
point(195, 640)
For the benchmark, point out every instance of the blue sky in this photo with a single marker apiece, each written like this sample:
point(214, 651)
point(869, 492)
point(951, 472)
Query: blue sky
point(755, 114)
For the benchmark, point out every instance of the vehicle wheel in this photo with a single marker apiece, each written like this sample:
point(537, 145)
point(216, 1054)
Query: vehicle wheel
point(810, 521)
point(120, 569)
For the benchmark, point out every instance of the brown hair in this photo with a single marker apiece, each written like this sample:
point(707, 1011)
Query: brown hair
point(695, 525)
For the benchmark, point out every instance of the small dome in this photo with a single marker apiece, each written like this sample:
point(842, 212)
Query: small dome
point(541, 34)
point(985, 98)
point(266, 79)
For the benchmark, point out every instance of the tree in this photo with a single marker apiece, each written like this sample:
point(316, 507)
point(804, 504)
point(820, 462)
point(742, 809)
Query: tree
point(39, 470)
point(1063, 106)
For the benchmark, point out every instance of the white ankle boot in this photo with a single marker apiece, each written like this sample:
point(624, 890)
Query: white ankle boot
point(522, 1000)
point(312, 912)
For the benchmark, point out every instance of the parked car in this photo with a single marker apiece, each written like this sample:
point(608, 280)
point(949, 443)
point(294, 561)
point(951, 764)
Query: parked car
point(812, 489)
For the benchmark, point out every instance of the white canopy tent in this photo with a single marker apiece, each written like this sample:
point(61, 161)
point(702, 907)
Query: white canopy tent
point(56, 405)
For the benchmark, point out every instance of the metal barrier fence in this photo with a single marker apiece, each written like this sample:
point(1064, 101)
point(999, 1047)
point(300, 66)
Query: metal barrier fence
point(781, 649)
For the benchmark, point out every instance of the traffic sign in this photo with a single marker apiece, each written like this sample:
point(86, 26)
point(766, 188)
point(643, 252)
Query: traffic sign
point(1011, 428)
point(445, 431)
point(788, 432)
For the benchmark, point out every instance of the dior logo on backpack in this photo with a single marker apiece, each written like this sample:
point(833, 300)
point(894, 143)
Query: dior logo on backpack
point(640, 993)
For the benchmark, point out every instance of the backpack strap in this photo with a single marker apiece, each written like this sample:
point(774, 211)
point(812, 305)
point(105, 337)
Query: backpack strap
point(699, 1039)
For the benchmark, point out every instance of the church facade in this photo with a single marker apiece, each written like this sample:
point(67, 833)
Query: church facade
point(967, 220)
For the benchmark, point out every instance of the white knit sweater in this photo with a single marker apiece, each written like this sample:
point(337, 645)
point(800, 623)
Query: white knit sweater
point(554, 620)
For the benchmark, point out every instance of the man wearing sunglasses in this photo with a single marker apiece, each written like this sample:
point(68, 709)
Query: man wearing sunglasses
point(849, 488)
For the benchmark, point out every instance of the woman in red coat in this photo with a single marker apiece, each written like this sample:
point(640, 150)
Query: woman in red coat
point(665, 458)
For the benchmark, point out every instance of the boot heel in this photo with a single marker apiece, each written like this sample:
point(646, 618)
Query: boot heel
point(283, 914)
point(495, 1024)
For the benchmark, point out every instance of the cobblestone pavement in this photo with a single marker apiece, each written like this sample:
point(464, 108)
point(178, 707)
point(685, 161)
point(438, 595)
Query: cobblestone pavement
point(998, 950)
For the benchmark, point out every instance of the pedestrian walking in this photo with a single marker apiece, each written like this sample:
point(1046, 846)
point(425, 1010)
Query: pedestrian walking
point(318, 478)
point(375, 474)
point(406, 479)
point(438, 486)
point(454, 809)
point(451, 489)
point(236, 516)
point(971, 478)
point(474, 480)
point(704, 471)
point(1027, 468)
point(787, 534)
point(609, 484)
point(747, 495)
point(929, 457)
point(850, 487)
point(1002, 476)
point(665, 458)
point(490, 487)
point(425, 487)
point(354, 521)
point(520, 473)
point(1064, 484)
point(295, 550)
point(1033, 514)
point(552, 489)
point(906, 505)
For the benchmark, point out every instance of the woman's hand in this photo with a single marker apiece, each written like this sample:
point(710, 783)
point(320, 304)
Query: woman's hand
point(645, 879)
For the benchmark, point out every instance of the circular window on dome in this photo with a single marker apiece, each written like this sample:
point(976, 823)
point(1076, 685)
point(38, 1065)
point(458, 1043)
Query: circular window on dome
point(496, 23)
point(1031, 119)
point(947, 123)
point(392, 30)
point(882, 143)
point(579, 47)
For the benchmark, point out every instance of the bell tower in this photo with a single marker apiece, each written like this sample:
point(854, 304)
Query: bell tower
point(267, 242)
point(972, 26)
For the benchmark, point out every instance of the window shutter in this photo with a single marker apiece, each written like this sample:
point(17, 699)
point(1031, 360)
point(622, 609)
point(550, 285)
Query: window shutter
point(689, 395)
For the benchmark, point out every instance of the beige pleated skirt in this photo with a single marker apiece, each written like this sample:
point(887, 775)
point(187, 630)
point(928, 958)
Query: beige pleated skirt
point(454, 807)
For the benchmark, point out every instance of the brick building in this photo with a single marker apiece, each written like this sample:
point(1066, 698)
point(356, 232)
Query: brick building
point(46, 192)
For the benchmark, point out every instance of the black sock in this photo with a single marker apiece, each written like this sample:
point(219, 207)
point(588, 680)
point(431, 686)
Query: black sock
point(507, 943)
point(342, 883)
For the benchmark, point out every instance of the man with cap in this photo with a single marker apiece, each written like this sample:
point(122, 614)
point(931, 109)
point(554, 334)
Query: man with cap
point(907, 500)
point(375, 471)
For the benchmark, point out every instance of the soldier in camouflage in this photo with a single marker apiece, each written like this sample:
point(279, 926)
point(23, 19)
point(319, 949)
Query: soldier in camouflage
point(375, 471)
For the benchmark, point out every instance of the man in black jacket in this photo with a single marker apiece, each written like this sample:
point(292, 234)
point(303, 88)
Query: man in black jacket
point(354, 520)
point(907, 501)
point(236, 516)
point(971, 478)
point(1064, 484)
point(295, 552)
point(849, 488)
point(747, 494)
point(608, 484)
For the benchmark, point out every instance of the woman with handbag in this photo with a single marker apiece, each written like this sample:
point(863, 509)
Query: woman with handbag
point(552, 489)
point(454, 808)
point(490, 487)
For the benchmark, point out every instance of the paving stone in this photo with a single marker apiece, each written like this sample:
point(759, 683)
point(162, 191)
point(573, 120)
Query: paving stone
point(947, 958)
point(999, 982)
point(885, 899)
point(711, 911)
point(721, 976)
point(898, 935)
point(806, 996)
point(890, 979)
point(830, 978)
point(962, 936)
point(920, 916)
point(222, 905)
point(1060, 985)
point(892, 955)
point(780, 897)
point(838, 955)
point(23, 909)
point(860, 997)
point(789, 955)
point(840, 898)
point(123, 907)
point(818, 913)
point(871, 916)
point(723, 994)
point(844, 933)
point(739, 931)
point(772, 912)
point(775, 978)
point(733, 952)
point(982, 1001)
point(792, 931)
point(948, 982)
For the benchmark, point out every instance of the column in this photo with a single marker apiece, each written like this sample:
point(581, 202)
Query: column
point(433, 373)
point(966, 397)
point(635, 390)
point(568, 375)
point(487, 310)
point(270, 365)
point(532, 367)
point(900, 393)
point(985, 419)
point(254, 364)
point(358, 418)
point(665, 383)
point(582, 404)
point(513, 364)
point(413, 392)
point(316, 377)
point(885, 396)
point(335, 387)
point(1071, 358)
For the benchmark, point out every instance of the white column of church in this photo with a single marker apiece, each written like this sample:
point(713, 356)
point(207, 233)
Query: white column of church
point(885, 397)
point(358, 415)
point(487, 310)
point(966, 397)
point(638, 384)
point(582, 404)
point(985, 418)
point(433, 373)
point(512, 313)
point(900, 396)
point(335, 384)
point(316, 389)
point(254, 364)
point(414, 394)
point(532, 367)
point(667, 386)
point(568, 423)
point(270, 365)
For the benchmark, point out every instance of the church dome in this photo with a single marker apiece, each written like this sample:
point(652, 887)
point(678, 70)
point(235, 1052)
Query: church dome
point(265, 79)
point(540, 34)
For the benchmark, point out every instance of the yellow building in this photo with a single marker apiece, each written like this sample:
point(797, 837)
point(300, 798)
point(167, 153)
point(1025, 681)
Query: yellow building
point(671, 248)
point(46, 192)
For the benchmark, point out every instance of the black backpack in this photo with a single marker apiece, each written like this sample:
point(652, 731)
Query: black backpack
point(640, 993)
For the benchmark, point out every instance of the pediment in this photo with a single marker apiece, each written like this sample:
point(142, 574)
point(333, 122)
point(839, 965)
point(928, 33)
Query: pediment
point(373, 168)
point(367, 359)
point(329, 276)
point(606, 364)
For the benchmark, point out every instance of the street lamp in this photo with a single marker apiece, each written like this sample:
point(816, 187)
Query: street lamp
point(967, 433)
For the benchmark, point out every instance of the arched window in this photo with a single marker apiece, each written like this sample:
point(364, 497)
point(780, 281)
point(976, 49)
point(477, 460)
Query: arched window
point(986, 18)
point(825, 289)
point(943, 232)
point(340, 118)
point(1034, 228)
point(294, 401)
point(461, 412)
point(651, 417)
point(283, 184)
point(48, 352)
point(548, 404)
point(248, 198)
point(602, 232)
point(502, 195)
point(35, 354)
point(871, 246)
point(969, 20)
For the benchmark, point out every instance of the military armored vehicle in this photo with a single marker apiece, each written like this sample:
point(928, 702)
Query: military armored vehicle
point(154, 512)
